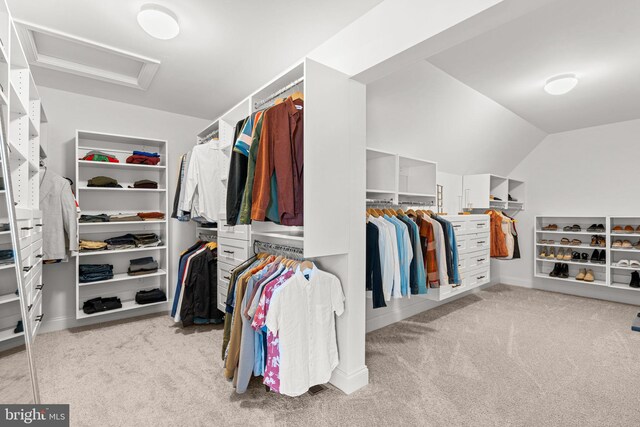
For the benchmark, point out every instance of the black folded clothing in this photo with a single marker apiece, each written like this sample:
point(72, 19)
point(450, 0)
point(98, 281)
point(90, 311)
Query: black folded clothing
point(95, 272)
point(140, 266)
point(126, 239)
point(94, 218)
point(149, 297)
point(99, 304)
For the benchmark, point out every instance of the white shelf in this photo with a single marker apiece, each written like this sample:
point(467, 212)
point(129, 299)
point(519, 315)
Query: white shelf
point(613, 267)
point(573, 279)
point(91, 163)
point(121, 277)
point(625, 250)
point(586, 264)
point(625, 234)
point(582, 233)
point(401, 193)
point(381, 191)
point(120, 251)
point(5, 299)
point(626, 286)
point(559, 245)
point(5, 233)
point(158, 190)
point(7, 334)
point(126, 306)
point(279, 235)
point(6, 266)
point(101, 224)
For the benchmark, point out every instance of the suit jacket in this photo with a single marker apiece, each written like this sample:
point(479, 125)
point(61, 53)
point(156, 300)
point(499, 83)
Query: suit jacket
point(60, 221)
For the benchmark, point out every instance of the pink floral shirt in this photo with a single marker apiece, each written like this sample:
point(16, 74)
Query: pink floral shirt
point(272, 369)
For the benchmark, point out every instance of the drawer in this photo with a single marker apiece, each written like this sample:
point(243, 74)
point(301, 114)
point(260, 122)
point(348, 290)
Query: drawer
point(462, 262)
point(25, 230)
point(32, 269)
point(224, 271)
point(478, 259)
point(231, 251)
point(461, 243)
point(221, 302)
point(25, 254)
point(223, 288)
point(476, 278)
point(35, 317)
point(478, 241)
point(36, 247)
point(478, 225)
point(459, 226)
point(37, 227)
point(239, 232)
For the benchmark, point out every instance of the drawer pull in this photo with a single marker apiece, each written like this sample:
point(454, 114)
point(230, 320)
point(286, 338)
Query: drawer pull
point(39, 318)
point(27, 269)
point(40, 287)
point(26, 228)
point(480, 225)
point(480, 277)
point(40, 256)
point(226, 277)
point(30, 307)
point(229, 252)
point(481, 259)
point(39, 225)
point(481, 242)
point(457, 226)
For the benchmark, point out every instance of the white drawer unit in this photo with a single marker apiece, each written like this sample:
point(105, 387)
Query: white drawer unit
point(25, 230)
point(232, 251)
point(478, 241)
point(476, 259)
point(238, 232)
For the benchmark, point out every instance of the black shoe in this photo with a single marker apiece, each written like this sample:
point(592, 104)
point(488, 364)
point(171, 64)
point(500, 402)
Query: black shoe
point(635, 280)
point(556, 270)
point(564, 274)
point(19, 328)
point(595, 256)
point(600, 228)
point(585, 257)
point(575, 256)
point(602, 259)
point(593, 228)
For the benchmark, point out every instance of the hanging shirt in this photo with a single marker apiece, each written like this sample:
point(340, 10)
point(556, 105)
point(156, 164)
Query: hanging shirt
point(373, 271)
point(204, 190)
point(441, 252)
point(428, 242)
point(247, 197)
point(405, 256)
point(419, 286)
point(386, 256)
point(303, 316)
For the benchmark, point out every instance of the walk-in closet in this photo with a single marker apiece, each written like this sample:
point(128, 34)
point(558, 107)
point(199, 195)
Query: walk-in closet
point(360, 213)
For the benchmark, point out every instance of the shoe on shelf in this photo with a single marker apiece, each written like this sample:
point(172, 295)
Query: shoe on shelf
point(565, 241)
point(581, 274)
point(600, 228)
point(19, 327)
point(551, 253)
point(560, 254)
point(584, 257)
point(622, 263)
point(575, 256)
point(637, 245)
point(635, 280)
point(602, 259)
point(638, 229)
point(592, 228)
point(511, 199)
point(602, 242)
point(550, 227)
point(595, 256)
point(594, 241)
point(564, 271)
point(543, 241)
point(616, 244)
point(626, 244)
point(551, 242)
point(567, 255)
point(628, 229)
point(576, 228)
point(576, 242)
point(634, 263)
point(556, 270)
point(543, 252)
point(617, 229)
point(567, 228)
point(589, 277)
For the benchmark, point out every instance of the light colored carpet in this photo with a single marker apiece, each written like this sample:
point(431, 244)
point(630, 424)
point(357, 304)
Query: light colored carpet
point(504, 356)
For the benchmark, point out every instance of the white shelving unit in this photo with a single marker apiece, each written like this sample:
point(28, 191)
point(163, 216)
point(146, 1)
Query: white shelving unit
point(607, 275)
point(94, 201)
point(400, 179)
point(481, 190)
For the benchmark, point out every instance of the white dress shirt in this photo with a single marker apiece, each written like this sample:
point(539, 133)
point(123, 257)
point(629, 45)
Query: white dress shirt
point(205, 195)
point(302, 313)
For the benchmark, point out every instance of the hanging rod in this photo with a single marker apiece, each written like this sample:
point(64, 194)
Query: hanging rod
point(277, 249)
point(209, 136)
point(207, 237)
point(294, 83)
point(379, 201)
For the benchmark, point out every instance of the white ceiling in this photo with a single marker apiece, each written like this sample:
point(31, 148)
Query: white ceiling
point(597, 40)
point(225, 50)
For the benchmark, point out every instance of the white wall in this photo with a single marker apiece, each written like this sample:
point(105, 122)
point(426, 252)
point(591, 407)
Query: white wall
point(70, 111)
point(424, 112)
point(591, 171)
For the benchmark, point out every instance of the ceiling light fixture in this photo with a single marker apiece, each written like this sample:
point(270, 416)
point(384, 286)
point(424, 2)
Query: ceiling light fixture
point(559, 85)
point(158, 21)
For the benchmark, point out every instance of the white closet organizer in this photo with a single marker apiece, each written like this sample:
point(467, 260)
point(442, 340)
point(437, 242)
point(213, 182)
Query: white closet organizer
point(95, 201)
point(400, 179)
point(478, 189)
point(19, 200)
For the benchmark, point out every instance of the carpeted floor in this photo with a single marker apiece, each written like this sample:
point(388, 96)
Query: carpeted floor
point(503, 356)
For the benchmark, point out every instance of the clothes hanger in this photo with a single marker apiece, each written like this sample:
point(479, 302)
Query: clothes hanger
point(305, 265)
point(400, 212)
point(297, 95)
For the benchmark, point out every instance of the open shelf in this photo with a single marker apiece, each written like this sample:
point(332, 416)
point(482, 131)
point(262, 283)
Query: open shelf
point(613, 267)
point(114, 223)
point(157, 190)
point(126, 306)
point(279, 235)
point(5, 299)
point(6, 266)
point(8, 334)
point(582, 233)
point(91, 163)
point(573, 279)
point(120, 251)
point(626, 286)
point(121, 277)
point(586, 264)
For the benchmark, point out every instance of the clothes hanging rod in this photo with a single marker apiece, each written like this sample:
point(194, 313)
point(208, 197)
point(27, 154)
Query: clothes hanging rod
point(209, 136)
point(276, 249)
point(275, 94)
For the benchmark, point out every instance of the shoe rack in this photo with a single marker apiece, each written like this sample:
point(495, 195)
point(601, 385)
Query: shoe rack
point(620, 261)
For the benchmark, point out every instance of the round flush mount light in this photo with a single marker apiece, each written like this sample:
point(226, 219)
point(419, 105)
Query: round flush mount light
point(559, 85)
point(158, 21)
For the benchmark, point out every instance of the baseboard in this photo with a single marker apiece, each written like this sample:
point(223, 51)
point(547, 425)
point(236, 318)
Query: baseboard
point(516, 281)
point(350, 383)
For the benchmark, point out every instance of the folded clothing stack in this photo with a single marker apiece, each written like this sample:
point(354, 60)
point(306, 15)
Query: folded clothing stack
point(91, 245)
point(151, 216)
point(144, 183)
point(95, 272)
point(94, 218)
point(100, 156)
point(120, 242)
point(4, 227)
point(142, 266)
point(99, 304)
point(146, 240)
point(124, 218)
point(103, 181)
point(151, 296)
point(144, 158)
point(6, 256)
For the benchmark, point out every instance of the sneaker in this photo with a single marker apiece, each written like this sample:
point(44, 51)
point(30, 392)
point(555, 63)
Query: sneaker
point(581, 274)
point(589, 277)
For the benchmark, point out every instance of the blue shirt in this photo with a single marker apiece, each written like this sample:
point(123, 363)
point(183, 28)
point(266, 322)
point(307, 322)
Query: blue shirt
point(405, 262)
point(420, 274)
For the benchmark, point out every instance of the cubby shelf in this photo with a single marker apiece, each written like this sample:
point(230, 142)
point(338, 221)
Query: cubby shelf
point(121, 277)
point(8, 334)
point(126, 306)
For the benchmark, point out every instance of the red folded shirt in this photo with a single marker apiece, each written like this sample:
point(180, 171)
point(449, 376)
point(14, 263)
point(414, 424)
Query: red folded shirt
point(143, 160)
point(100, 158)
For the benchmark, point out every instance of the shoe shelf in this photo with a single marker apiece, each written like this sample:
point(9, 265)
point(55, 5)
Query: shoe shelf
point(613, 276)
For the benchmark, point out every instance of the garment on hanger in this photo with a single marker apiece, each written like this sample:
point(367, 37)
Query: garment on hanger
point(373, 268)
point(204, 191)
point(499, 247)
point(514, 233)
point(238, 169)
point(59, 216)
